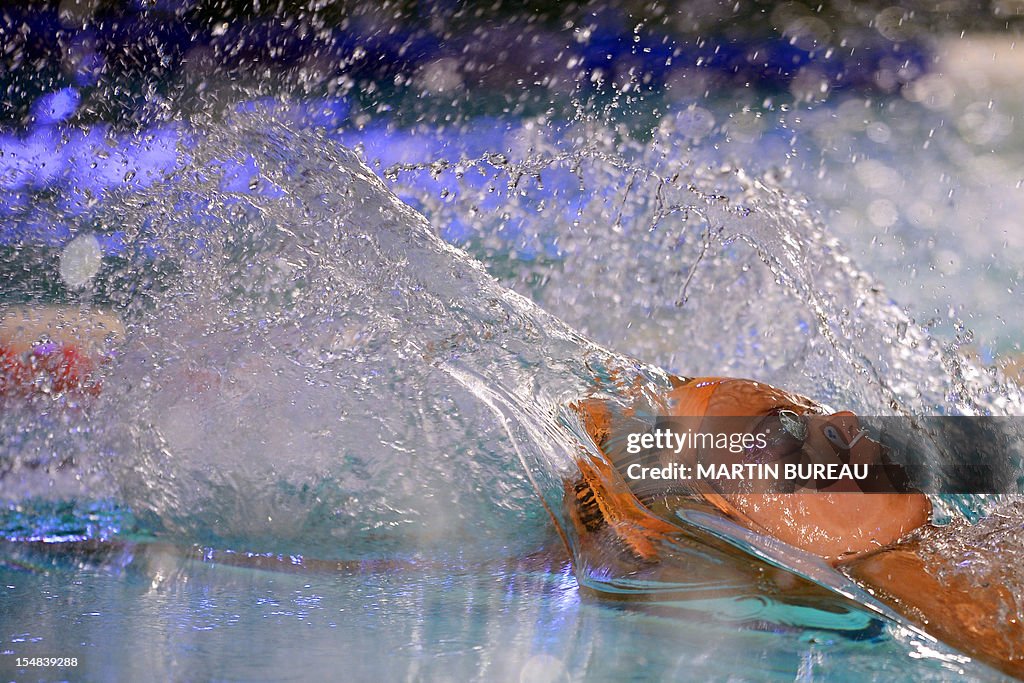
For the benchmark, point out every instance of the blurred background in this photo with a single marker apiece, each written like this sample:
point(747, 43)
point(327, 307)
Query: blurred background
point(898, 123)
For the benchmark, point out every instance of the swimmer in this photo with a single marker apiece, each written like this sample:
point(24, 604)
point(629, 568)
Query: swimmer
point(869, 537)
point(54, 350)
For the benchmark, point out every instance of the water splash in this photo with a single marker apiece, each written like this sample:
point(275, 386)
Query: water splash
point(310, 368)
point(700, 268)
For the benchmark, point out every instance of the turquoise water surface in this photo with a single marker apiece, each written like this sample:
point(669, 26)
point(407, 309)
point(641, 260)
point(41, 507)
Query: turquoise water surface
point(149, 612)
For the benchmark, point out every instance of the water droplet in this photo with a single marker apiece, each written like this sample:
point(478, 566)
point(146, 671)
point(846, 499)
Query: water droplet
point(80, 261)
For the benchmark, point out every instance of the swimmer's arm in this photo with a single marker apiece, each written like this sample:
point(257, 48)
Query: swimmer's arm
point(979, 617)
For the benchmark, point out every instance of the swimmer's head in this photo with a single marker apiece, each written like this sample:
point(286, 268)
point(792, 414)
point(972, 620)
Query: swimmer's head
point(795, 430)
point(835, 527)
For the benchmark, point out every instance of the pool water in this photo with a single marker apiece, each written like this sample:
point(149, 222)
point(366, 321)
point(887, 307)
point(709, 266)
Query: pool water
point(154, 612)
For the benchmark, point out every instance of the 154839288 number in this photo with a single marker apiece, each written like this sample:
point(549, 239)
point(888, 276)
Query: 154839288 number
point(45, 661)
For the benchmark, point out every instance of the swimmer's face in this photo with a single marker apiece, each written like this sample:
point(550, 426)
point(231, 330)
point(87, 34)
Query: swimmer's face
point(831, 526)
point(839, 435)
point(795, 431)
point(807, 439)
